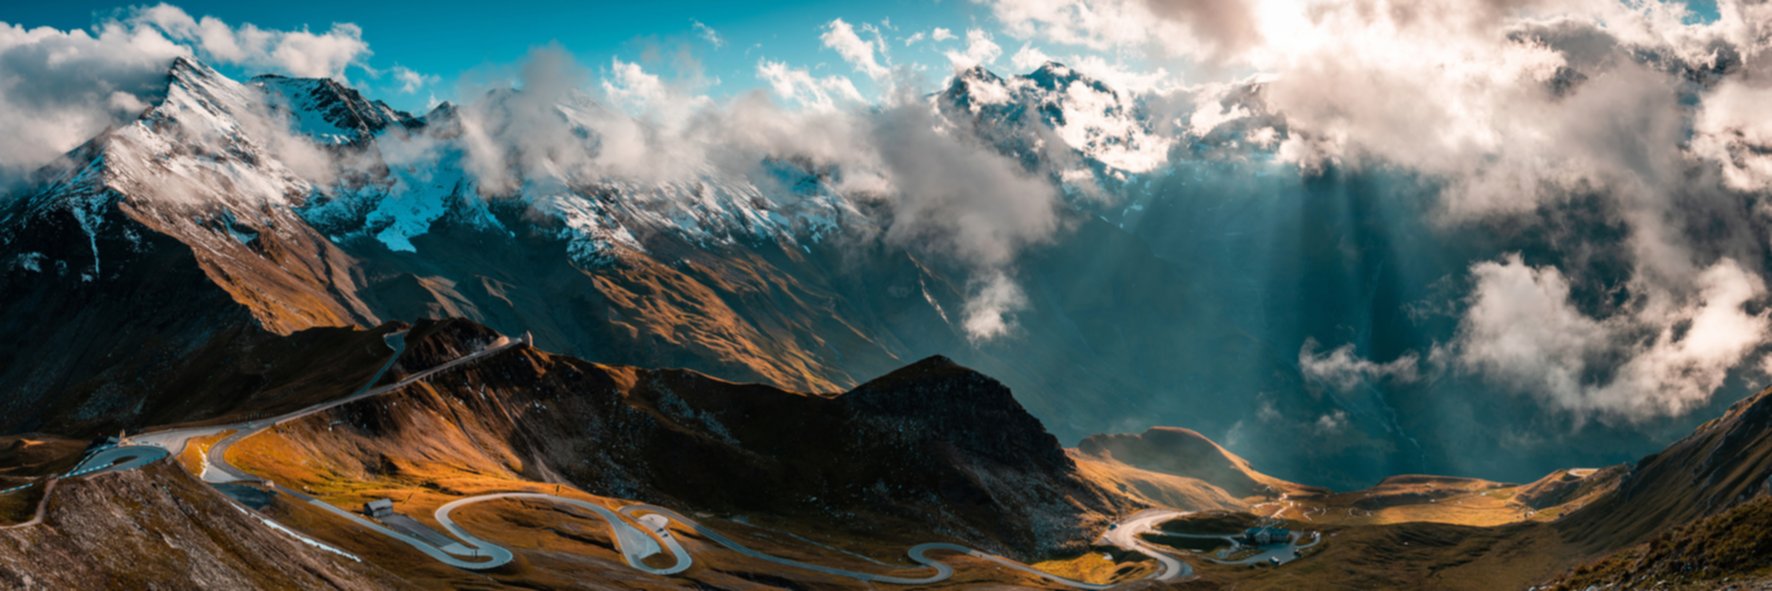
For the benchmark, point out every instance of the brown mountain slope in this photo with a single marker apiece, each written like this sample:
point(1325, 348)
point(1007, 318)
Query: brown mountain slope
point(1572, 487)
point(1732, 549)
point(1725, 462)
point(933, 446)
point(1155, 488)
point(1184, 452)
point(158, 528)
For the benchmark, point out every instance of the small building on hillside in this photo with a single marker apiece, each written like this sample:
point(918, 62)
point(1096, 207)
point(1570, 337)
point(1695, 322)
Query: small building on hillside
point(1262, 536)
point(379, 508)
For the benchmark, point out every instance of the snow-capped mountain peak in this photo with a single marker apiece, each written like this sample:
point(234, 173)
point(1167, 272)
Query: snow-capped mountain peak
point(1101, 124)
point(330, 112)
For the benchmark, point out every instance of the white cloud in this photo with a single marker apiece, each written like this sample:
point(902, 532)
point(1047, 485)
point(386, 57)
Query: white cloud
point(1205, 29)
point(631, 85)
point(941, 34)
point(840, 36)
point(926, 188)
point(1733, 129)
point(1344, 370)
point(954, 196)
point(298, 52)
point(60, 88)
point(1118, 76)
point(708, 34)
point(991, 308)
point(1029, 57)
point(410, 81)
point(1521, 101)
point(914, 39)
point(801, 87)
point(1663, 354)
point(1331, 423)
point(980, 50)
point(1511, 108)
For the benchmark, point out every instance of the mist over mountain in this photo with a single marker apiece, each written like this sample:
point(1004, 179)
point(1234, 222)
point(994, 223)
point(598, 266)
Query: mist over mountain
point(1054, 294)
point(1561, 267)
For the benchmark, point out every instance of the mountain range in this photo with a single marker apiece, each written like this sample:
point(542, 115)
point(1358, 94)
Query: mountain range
point(735, 370)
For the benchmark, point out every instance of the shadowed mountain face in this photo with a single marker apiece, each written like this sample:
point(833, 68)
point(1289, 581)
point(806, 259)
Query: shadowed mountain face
point(159, 528)
point(764, 282)
point(1434, 329)
point(934, 450)
point(931, 443)
point(1726, 462)
point(1185, 300)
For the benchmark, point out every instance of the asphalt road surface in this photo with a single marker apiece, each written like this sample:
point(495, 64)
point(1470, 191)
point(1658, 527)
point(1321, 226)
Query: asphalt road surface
point(1125, 536)
point(652, 536)
point(117, 459)
point(633, 543)
point(940, 571)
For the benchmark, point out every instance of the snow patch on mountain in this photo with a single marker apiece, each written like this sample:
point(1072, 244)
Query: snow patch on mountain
point(328, 112)
point(1094, 122)
point(222, 164)
point(1102, 125)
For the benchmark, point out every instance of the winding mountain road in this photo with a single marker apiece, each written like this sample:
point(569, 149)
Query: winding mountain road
point(1125, 536)
point(117, 459)
point(173, 440)
point(1284, 553)
point(218, 470)
point(636, 543)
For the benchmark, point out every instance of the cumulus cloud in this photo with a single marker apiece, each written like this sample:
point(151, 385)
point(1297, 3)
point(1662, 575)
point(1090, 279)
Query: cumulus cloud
point(991, 307)
point(60, 88)
point(1513, 104)
point(1344, 370)
point(1511, 110)
point(560, 125)
point(1205, 29)
point(1733, 130)
point(979, 51)
point(840, 36)
point(298, 52)
point(799, 86)
point(1509, 125)
point(1662, 354)
point(925, 185)
point(628, 84)
point(1029, 57)
point(940, 34)
point(411, 81)
point(956, 196)
point(552, 129)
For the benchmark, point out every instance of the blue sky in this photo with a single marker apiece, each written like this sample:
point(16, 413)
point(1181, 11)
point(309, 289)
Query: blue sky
point(450, 41)
point(452, 38)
